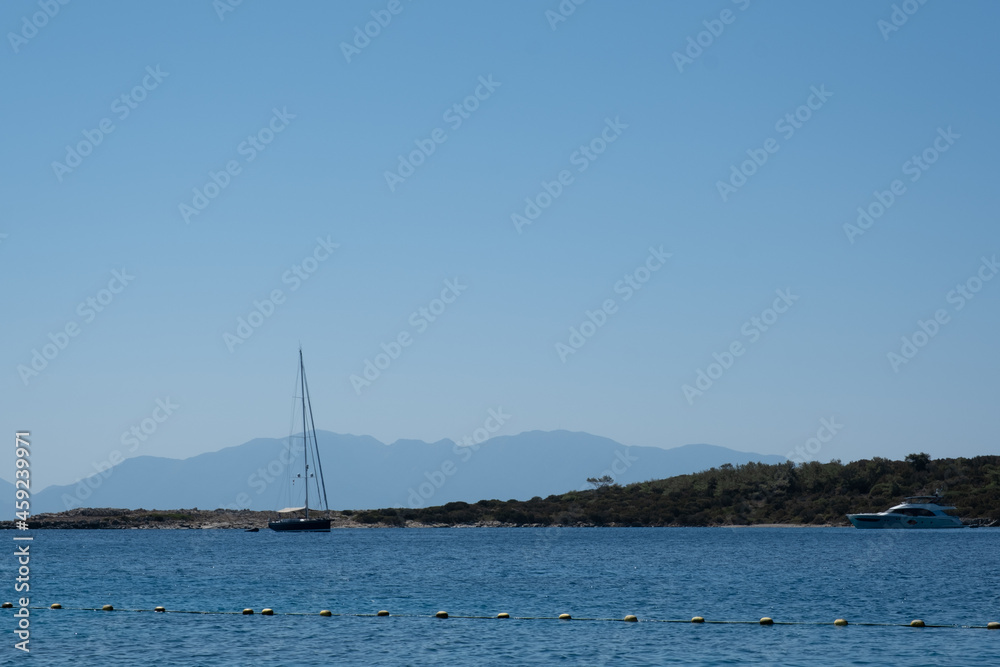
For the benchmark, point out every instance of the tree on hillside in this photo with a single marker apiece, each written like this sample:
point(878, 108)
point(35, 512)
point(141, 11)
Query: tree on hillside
point(602, 482)
point(919, 461)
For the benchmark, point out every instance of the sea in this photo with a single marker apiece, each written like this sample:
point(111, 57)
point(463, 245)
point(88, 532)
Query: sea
point(807, 577)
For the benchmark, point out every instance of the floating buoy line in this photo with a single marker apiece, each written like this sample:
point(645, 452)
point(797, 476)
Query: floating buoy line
point(630, 618)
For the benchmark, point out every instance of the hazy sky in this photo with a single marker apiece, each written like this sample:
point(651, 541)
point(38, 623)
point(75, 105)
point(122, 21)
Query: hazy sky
point(675, 169)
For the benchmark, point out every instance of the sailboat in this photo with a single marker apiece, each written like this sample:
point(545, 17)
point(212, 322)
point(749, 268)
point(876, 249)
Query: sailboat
point(310, 446)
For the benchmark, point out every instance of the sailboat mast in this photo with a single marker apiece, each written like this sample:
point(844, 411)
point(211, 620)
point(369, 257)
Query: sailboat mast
point(305, 433)
point(321, 483)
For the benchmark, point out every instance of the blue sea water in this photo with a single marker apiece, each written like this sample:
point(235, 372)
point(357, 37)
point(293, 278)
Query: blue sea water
point(734, 574)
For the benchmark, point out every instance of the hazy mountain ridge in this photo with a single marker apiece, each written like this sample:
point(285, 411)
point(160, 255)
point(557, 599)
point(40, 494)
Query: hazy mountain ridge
point(363, 473)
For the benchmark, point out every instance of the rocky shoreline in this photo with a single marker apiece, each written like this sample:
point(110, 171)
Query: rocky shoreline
point(188, 519)
point(113, 518)
point(196, 519)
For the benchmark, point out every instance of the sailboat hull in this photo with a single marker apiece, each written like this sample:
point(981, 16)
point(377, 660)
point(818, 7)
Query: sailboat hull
point(301, 525)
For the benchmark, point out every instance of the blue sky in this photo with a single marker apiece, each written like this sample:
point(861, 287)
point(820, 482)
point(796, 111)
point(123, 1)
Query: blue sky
point(200, 84)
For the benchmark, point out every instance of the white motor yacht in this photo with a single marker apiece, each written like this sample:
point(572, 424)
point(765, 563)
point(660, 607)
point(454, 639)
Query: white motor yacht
point(914, 512)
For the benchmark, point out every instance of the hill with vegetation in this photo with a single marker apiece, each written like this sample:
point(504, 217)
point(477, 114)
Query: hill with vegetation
point(817, 494)
point(786, 493)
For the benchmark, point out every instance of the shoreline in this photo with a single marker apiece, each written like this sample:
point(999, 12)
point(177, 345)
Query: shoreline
point(195, 519)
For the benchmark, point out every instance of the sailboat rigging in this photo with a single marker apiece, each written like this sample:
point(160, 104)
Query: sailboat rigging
point(310, 447)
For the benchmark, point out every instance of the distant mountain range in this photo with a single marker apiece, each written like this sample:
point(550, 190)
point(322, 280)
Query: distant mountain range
point(363, 473)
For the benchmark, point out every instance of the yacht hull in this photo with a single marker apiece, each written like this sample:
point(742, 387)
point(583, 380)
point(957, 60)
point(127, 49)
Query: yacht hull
point(901, 521)
point(301, 525)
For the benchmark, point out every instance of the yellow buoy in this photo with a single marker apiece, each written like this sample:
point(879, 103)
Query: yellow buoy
point(108, 607)
point(247, 612)
point(840, 621)
point(698, 619)
point(326, 612)
point(159, 609)
point(993, 625)
point(6, 605)
point(916, 623)
point(442, 614)
point(565, 617)
point(767, 620)
point(631, 619)
point(267, 611)
point(503, 614)
point(382, 612)
point(55, 605)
